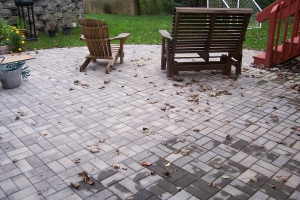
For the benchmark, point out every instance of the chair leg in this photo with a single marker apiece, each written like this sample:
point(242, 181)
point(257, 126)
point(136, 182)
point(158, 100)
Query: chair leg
point(163, 55)
point(85, 64)
point(109, 67)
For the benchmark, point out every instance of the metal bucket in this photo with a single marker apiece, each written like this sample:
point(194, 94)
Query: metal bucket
point(10, 79)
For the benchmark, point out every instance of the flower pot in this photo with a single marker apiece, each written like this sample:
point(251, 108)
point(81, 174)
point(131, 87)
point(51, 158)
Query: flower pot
point(5, 49)
point(23, 32)
point(67, 31)
point(52, 33)
point(10, 79)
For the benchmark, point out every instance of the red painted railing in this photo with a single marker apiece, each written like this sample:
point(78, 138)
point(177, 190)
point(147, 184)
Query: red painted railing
point(283, 41)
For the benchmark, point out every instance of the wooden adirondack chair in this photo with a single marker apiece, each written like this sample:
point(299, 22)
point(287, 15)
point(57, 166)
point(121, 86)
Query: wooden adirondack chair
point(202, 34)
point(95, 33)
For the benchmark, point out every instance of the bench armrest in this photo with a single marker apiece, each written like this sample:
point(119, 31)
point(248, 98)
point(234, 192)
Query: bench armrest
point(165, 34)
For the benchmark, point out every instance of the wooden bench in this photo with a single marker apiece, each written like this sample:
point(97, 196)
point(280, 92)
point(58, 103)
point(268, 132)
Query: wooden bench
point(200, 34)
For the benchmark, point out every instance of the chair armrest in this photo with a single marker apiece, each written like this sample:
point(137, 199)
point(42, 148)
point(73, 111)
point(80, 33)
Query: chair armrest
point(165, 34)
point(120, 36)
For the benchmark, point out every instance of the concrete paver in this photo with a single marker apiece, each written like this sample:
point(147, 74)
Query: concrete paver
point(248, 131)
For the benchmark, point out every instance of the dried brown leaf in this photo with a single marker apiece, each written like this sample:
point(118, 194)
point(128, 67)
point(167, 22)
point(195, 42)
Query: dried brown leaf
point(77, 160)
point(117, 151)
point(145, 163)
point(176, 151)
point(178, 188)
point(185, 152)
point(116, 166)
point(75, 184)
point(94, 150)
point(15, 160)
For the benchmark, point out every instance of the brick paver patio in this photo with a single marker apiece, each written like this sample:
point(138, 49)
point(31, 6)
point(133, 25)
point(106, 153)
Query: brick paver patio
point(240, 133)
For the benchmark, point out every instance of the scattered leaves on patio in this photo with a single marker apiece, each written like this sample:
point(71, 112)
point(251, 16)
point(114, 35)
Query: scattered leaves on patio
point(281, 96)
point(167, 164)
point(274, 116)
point(117, 151)
point(116, 166)
point(94, 150)
point(226, 120)
point(145, 163)
point(182, 140)
point(106, 81)
point(17, 118)
point(163, 142)
point(273, 186)
point(211, 184)
point(185, 152)
point(40, 193)
point(77, 160)
point(178, 188)
point(124, 168)
point(179, 120)
point(153, 173)
point(75, 184)
point(130, 198)
point(252, 139)
point(152, 133)
point(15, 160)
point(164, 108)
point(101, 87)
point(84, 175)
point(176, 151)
point(76, 82)
point(43, 134)
point(228, 137)
point(217, 165)
point(135, 75)
point(225, 176)
point(71, 88)
point(254, 179)
point(192, 109)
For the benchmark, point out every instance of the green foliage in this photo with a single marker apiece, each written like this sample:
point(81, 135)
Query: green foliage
point(21, 24)
point(106, 8)
point(142, 29)
point(264, 3)
point(52, 22)
point(4, 31)
point(16, 39)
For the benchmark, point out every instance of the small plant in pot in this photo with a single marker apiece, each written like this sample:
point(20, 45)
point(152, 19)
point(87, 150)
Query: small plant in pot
point(51, 24)
point(15, 39)
point(69, 20)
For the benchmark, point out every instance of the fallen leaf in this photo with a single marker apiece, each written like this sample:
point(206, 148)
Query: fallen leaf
point(90, 182)
point(254, 179)
point(166, 174)
point(75, 184)
point(273, 186)
point(217, 166)
point(153, 173)
point(101, 87)
point(176, 151)
point(145, 163)
point(77, 160)
point(192, 109)
point(21, 113)
point(40, 193)
point(17, 118)
point(185, 152)
point(15, 160)
point(124, 168)
point(102, 140)
point(152, 133)
point(0, 138)
point(145, 130)
point(282, 179)
point(211, 184)
point(163, 142)
point(106, 81)
point(116, 166)
point(225, 176)
point(182, 140)
point(196, 130)
point(178, 188)
point(227, 120)
point(130, 198)
point(228, 137)
point(76, 82)
point(95, 150)
point(135, 75)
point(71, 89)
point(117, 151)
point(167, 164)
point(43, 134)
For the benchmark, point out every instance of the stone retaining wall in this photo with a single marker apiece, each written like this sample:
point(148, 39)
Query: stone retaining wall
point(121, 7)
point(42, 9)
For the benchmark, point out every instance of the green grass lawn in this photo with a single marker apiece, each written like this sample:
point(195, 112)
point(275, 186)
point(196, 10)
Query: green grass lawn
point(142, 29)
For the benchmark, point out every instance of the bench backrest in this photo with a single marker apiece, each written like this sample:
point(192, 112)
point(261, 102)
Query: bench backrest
point(208, 30)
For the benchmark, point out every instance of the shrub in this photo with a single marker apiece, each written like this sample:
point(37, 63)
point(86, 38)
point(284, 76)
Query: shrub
point(16, 39)
point(4, 31)
point(106, 8)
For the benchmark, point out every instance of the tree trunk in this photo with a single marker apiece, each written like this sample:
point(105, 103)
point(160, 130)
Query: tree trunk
point(137, 7)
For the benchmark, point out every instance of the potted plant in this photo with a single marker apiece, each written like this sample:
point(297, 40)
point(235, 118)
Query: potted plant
point(21, 25)
point(10, 73)
point(4, 32)
point(69, 20)
point(51, 24)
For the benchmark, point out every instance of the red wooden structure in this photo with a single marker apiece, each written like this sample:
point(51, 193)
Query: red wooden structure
point(283, 41)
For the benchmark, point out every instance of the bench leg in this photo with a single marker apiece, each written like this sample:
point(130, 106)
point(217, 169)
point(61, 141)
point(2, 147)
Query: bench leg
point(85, 64)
